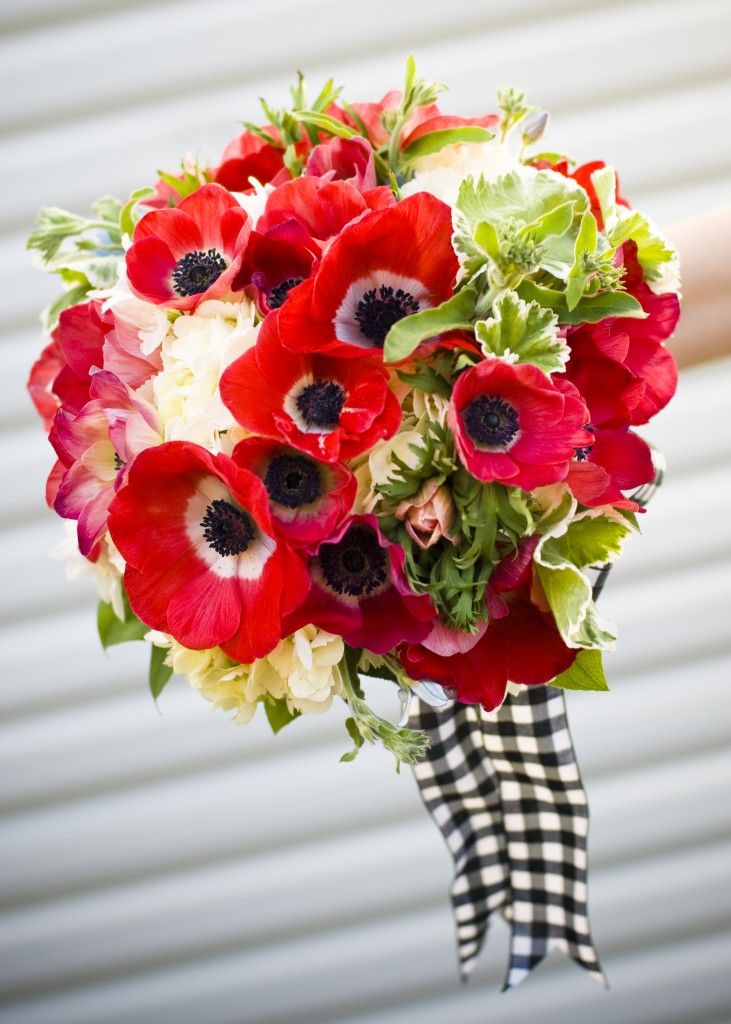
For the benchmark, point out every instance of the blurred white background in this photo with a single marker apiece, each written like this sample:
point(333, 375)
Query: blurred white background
point(177, 868)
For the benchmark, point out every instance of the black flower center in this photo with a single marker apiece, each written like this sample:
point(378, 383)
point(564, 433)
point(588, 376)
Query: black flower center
point(227, 529)
point(582, 454)
point(293, 480)
point(280, 291)
point(490, 420)
point(321, 403)
point(355, 566)
point(380, 308)
point(197, 271)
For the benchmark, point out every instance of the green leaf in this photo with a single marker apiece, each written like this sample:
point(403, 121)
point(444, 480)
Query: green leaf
point(53, 226)
point(527, 200)
point(523, 329)
point(590, 309)
point(568, 592)
point(326, 123)
point(407, 334)
point(107, 208)
point(592, 540)
point(428, 380)
point(117, 631)
point(653, 249)
point(159, 672)
point(434, 142)
point(278, 713)
point(488, 239)
point(77, 287)
point(127, 219)
point(586, 673)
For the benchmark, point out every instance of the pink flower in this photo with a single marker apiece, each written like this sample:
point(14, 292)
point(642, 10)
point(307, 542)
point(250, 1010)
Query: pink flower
point(94, 449)
point(183, 255)
point(359, 590)
point(345, 159)
point(429, 515)
point(515, 425)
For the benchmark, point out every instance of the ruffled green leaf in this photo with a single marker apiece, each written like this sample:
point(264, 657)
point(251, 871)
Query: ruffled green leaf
point(523, 332)
point(325, 123)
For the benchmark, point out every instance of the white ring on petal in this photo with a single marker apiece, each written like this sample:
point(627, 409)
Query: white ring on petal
point(249, 565)
point(345, 323)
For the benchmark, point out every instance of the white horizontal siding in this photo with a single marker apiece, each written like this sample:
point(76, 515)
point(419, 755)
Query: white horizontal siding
point(175, 868)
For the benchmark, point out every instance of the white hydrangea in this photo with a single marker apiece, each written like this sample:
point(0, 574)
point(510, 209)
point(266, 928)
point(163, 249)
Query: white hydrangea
point(442, 173)
point(302, 669)
point(106, 572)
point(195, 352)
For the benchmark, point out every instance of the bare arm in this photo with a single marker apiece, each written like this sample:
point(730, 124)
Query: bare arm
point(704, 331)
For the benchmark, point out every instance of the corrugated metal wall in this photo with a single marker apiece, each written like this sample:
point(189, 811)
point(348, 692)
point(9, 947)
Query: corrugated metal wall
point(176, 868)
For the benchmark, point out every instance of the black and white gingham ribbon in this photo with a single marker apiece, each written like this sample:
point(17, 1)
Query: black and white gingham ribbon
point(505, 790)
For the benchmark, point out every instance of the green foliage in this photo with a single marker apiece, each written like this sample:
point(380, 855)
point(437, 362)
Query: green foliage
point(428, 379)
point(513, 109)
point(159, 672)
point(434, 458)
point(278, 714)
point(525, 330)
point(325, 123)
point(128, 215)
point(558, 564)
point(365, 726)
point(434, 142)
point(590, 309)
point(118, 631)
point(407, 334)
point(586, 673)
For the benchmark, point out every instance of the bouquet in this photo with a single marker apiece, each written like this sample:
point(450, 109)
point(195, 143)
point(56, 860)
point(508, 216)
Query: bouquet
point(357, 401)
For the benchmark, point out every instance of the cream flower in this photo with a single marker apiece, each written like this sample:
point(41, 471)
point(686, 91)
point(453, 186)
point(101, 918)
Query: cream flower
point(302, 669)
point(442, 173)
point(195, 352)
point(106, 572)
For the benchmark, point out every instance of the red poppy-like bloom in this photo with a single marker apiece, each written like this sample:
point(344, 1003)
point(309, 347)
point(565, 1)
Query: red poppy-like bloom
point(359, 590)
point(320, 207)
point(521, 644)
point(186, 254)
point(308, 499)
point(333, 409)
point(43, 373)
point(203, 560)
point(515, 425)
point(423, 121)
point(94, 446)
point(615, 461)
point(276, 262)
point(249, 156)
point(624, 371)
point(344, 159)
point(382, 268)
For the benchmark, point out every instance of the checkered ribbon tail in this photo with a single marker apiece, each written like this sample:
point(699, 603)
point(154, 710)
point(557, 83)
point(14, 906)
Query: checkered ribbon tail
point(505, 790)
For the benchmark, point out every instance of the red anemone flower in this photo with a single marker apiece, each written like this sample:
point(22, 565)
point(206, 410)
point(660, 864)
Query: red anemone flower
point(359, 590)
point(515, 425)
point(333, 409)
point(276, 262)
point(249, 156)
point(321, 207)
point(615, 461)
point(521, 643)
point(523, 646)
point(380, 269)
point(203, 560)
point(308, 499)
point(183, 255)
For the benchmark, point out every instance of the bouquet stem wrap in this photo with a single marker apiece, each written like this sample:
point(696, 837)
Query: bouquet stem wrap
point(505, 789)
